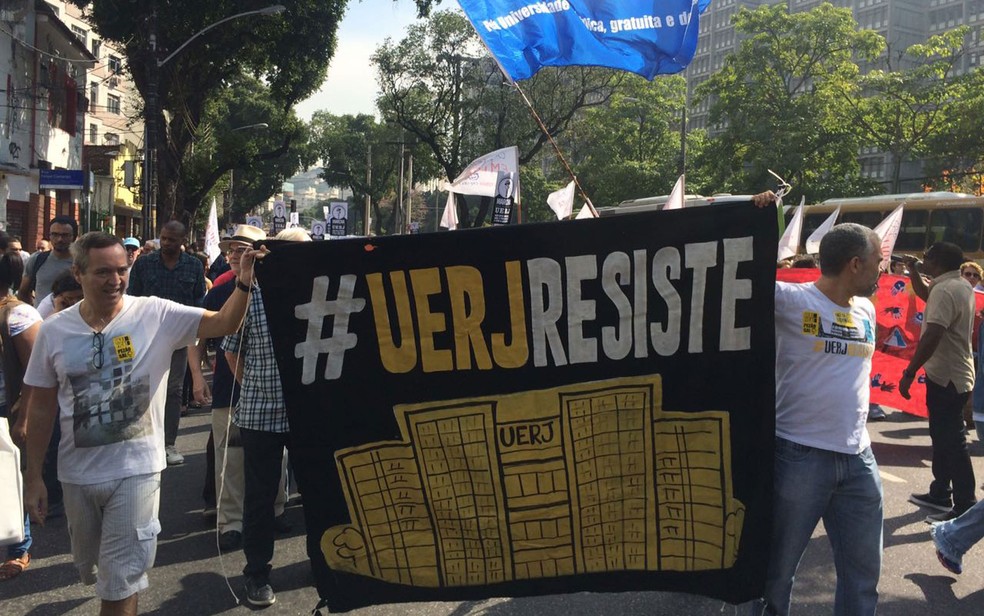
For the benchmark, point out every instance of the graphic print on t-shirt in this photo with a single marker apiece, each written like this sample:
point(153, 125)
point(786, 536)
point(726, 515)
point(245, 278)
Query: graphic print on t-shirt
point(110, 403)
point(858, 340)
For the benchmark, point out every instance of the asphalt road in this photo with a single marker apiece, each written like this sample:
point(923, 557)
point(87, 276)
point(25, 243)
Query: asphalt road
point(190, 577)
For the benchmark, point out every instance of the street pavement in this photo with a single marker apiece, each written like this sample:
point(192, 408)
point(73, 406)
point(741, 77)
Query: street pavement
point(191, 577)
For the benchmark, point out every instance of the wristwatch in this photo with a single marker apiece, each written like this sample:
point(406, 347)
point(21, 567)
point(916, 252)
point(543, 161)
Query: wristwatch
point(241, 286)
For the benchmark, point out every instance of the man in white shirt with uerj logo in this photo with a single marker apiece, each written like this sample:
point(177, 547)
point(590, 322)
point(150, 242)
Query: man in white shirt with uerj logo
point(824, 467)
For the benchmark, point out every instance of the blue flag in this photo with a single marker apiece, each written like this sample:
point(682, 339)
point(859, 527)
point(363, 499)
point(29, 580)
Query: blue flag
point(647, 37)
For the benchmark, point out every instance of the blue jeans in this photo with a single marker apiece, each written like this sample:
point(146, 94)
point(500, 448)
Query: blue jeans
point(17, 550)
point(846, 492)
point(957, 536)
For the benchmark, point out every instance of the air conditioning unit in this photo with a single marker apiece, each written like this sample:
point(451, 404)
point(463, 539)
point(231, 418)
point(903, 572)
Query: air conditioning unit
point(114, 82)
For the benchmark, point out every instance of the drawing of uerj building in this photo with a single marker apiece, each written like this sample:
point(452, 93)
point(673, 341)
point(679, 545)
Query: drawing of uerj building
point(585, 478)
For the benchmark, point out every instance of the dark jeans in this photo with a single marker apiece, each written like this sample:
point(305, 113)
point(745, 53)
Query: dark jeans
point(49, 470)
point(262, 465)
point(208, 490)
point(172, 404)
point(951, 459)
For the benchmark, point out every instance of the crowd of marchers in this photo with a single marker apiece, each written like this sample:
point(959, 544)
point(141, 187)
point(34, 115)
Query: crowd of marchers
point(103, 343)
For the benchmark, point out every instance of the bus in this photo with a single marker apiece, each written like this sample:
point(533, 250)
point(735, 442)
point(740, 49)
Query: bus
point(927, 218)
point(647, 204)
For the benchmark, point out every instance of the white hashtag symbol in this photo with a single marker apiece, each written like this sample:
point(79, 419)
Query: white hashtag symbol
point(340, 340)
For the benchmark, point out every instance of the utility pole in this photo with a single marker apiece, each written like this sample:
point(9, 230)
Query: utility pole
point(150, 129)
point(365, 219)
point(683, 126)
point(399, 212)
point(409, 191)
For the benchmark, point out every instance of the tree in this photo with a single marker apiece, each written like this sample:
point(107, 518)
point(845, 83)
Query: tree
point(244, 158)
point(955, 154)
point(780, 99)
point(630, 148)
point(442, 87)
point(348, 146)
point(287, 54)
point(905, 108)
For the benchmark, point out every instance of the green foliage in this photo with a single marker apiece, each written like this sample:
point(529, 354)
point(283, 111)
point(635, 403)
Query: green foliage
point(233, 150)
point(630, 148)
point(905, 110)
point(440, 85)
point(345, 144)
point(535, 189)
point(956, 153)
point(287, 55)
point(780, 99)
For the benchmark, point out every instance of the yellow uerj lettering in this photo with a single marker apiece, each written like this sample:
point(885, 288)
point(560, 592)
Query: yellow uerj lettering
point(427, 282)
point(467, 298)
point(396, 359)
point(516, 354)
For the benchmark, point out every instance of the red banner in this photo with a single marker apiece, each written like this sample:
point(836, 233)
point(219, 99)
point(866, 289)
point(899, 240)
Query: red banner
point(899, 316)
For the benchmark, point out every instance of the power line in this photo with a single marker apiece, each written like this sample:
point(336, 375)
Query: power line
point(40, 51)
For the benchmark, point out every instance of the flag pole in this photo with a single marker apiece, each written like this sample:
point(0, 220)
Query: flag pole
point(539, 122)
point(556, 147)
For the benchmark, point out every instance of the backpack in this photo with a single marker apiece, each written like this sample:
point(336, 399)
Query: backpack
point(13, 370)
point(38, 262)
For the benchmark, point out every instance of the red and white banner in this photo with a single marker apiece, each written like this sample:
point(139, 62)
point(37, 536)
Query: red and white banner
point(898, 318)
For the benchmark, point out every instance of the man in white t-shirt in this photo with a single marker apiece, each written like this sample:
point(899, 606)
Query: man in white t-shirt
point(104, 363)
point(824, 467)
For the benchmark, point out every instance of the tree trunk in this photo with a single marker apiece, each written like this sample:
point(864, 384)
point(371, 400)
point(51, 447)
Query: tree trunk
point(464, 216)
point(896, 172)
point(483, 211)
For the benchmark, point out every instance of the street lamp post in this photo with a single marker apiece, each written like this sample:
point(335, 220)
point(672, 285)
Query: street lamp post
point(151, 107)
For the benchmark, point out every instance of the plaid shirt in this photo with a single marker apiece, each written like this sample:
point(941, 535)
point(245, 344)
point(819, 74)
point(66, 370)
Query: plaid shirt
point(261, 400)
point(184, 284)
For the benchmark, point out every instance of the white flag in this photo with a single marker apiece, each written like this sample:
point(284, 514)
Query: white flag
point(675, 202)
point(586, 212)
point(888, 231)
point(481, 176)
point(212, 235)
point(789, 242)
point(449, 220)
point(562, 201)
point(813, 242)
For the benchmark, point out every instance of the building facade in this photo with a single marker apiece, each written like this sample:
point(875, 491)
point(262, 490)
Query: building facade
point(42, 120)
point(113, 132)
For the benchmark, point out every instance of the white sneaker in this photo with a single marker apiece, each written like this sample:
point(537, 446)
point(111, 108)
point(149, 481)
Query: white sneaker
point(173, 457)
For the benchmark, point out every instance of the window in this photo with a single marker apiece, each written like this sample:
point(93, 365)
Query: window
point(93, 134)
point(868, 219)
point(94, 94)
point(810, 223)
point(79, 32)
point(114, 64)
point(113, 104)
point(96, 47)
point(912, 232)
point(960, 226)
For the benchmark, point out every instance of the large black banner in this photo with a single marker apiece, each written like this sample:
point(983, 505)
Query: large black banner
point(534, 409)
